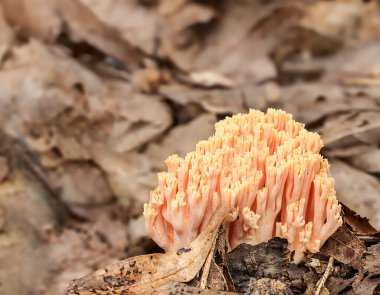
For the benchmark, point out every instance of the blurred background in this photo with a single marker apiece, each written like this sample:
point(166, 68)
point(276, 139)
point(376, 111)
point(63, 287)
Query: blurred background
point(95, 94)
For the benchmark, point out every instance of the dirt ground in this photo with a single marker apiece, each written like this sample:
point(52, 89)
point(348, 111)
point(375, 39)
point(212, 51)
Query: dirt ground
point(95, 94)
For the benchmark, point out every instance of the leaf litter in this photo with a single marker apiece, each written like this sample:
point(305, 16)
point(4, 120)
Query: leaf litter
point(95, 95)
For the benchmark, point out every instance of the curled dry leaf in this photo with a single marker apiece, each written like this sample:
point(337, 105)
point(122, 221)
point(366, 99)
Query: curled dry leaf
point(143, 274)
point(360, 225)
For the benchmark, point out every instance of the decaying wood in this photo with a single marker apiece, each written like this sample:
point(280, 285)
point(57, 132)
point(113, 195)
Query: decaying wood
point(251, 266)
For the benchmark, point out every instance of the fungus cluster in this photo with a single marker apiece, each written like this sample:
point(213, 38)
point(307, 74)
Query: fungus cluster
point(268, 167)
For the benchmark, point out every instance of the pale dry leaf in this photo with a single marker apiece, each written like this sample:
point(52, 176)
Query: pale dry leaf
point(140, 118)
point(85, 25)
point(27, 215)
point(214, 101)
point(7, 34)
point(210, 79)
point(357, 190)
point(190, 14)
point(368, 161)
point(37, 18)
point(146, 80)
point(187, 134)
point(130, 176)
point(81, 184)
point(349, 151)
point(351, 128)
point(167, 7)
point(140, 28)
point(310, 102)
point(222, 54)
point(143, 274)
point(336, 19)
point(45, 20)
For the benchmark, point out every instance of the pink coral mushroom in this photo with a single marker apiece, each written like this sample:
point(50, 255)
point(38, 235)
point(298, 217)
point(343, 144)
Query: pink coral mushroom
point(268, 167)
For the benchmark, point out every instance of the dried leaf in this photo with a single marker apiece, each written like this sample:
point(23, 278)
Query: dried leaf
point(336, 19)
point(214, 101)
point(188, 134)
point(352, 128)
point(368, 161)
point(362, 192)
point(360, 225)
point(119, 167)
point(38, 18)
point(81, 185)
point(140, 28)
point(45, 20)
point(210, 79)
point(345, 247)
point(143, 274)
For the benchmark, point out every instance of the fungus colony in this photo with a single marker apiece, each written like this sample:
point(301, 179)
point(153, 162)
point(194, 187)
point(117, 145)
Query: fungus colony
point(267, 167)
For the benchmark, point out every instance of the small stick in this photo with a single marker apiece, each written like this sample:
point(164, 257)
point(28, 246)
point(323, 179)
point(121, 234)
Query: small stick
point(325, 276)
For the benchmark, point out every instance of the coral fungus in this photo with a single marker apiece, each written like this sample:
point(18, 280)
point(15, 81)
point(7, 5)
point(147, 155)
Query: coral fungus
point(268, 167)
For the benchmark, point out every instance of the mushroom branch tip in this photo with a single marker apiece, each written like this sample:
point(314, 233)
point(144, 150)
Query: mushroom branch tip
point(265, 166)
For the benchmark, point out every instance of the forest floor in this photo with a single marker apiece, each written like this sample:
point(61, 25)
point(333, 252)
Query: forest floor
point(96, 94)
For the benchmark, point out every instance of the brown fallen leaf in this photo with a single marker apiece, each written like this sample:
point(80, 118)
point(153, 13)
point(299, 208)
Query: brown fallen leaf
point(360, 225)
point(345, 247)
point(143, 274)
